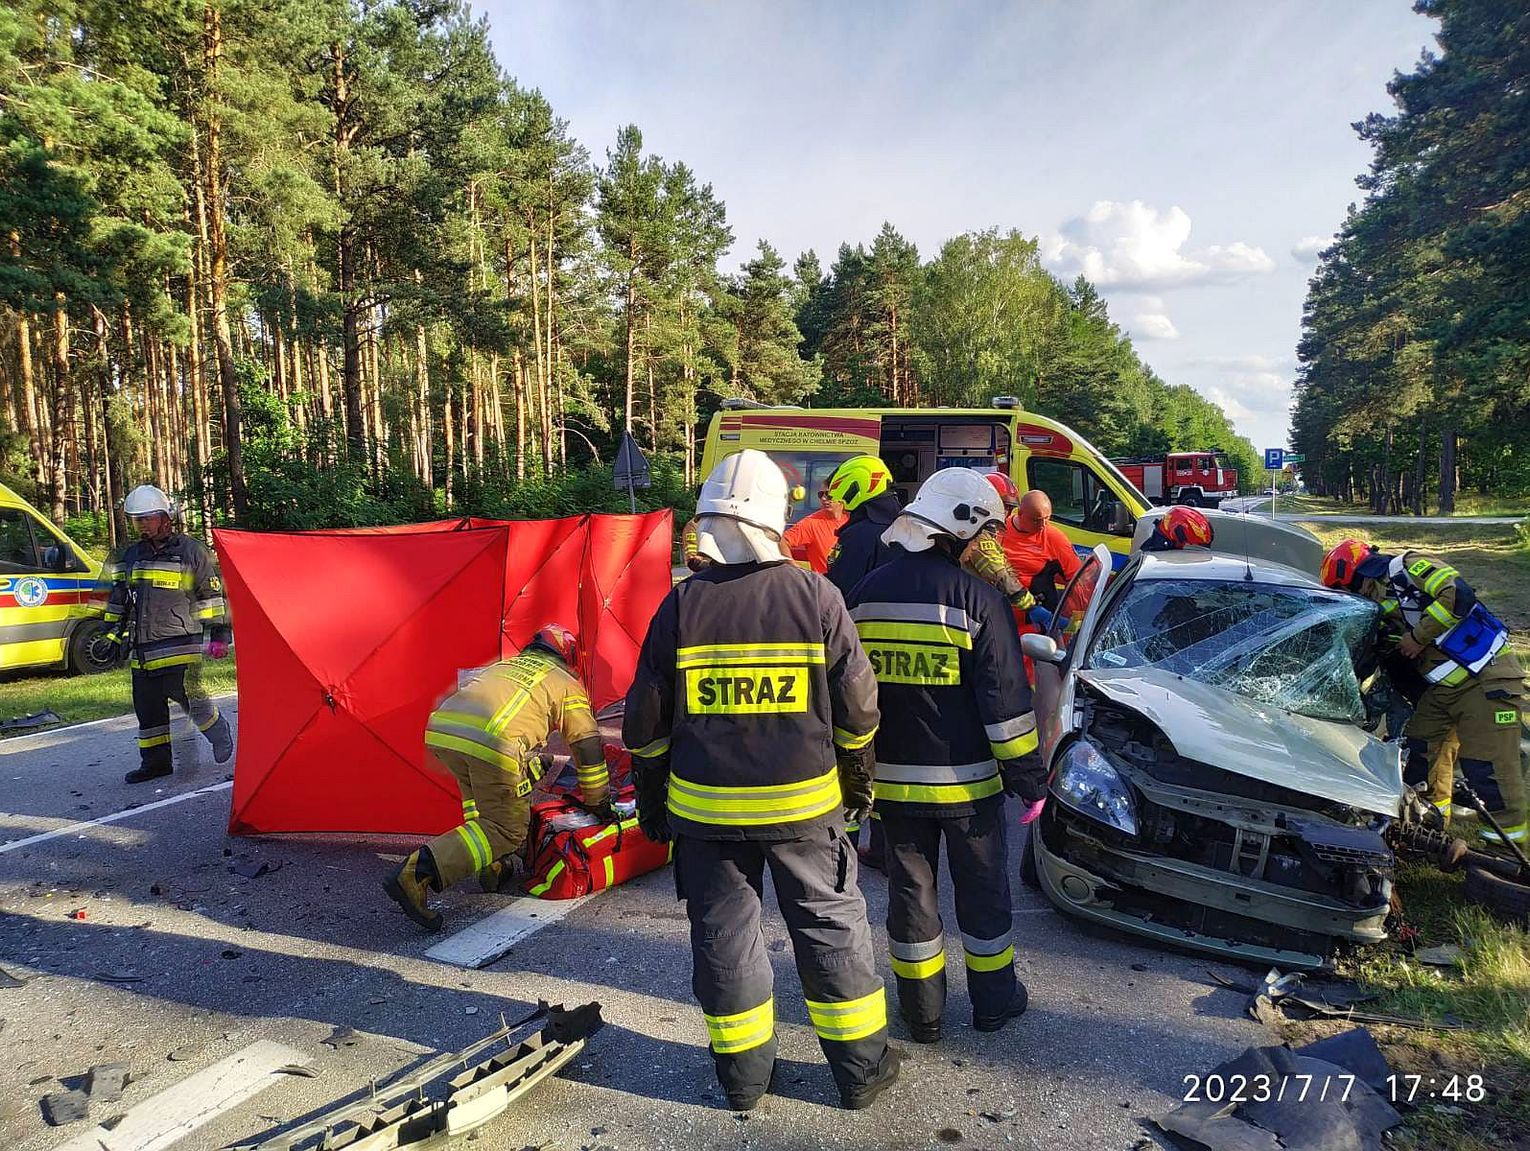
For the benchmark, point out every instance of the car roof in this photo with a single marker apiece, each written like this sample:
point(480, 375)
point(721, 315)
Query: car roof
point(1199, 564)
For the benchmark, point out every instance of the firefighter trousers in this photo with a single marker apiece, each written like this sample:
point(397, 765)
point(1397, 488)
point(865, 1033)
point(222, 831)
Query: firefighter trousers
point(977, 850)
point(496, 809)
point(152, 693)
point(722, 882)
point(1478, 721)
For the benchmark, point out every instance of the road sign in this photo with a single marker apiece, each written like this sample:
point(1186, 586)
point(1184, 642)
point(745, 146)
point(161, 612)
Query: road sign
point(1295, 458)
point(1274, 459)
point(631, 470)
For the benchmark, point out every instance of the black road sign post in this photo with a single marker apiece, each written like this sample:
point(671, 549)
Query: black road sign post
point(631, 471)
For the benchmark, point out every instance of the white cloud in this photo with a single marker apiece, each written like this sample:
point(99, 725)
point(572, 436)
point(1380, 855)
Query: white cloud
point(1253, 396)
point(1154, 326)
point(1134, 245)
point(1253, 363)
point(1308, 248)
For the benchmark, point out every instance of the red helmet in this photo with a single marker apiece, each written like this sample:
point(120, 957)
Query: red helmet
point(1342, 563)
point(1181, 527)
point(559, 640)
point(1008, 493)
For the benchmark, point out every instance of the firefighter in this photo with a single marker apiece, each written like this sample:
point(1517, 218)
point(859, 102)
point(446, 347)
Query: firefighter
point(488, 736)
point(1039, 554)
point(1179, 527)
point(864, 486)
point(1471, 685)
point(958, 733)
point(749, 675)
point(816, 533)
point(166, 607)
point(689, 547)
point(984, 557)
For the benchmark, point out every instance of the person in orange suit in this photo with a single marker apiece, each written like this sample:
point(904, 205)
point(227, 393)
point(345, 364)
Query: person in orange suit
point(1039, 554)
point(817, 533)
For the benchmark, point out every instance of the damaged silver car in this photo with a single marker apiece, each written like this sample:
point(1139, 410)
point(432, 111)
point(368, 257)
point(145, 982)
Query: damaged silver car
point(1212, 782)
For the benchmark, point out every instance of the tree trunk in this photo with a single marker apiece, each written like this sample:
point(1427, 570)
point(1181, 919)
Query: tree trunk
point(422, 400)
point(112, 485)
point(218, 265)
point(63, 406)
point(518, 384)
point(1421, 469)
point(32, 422)
point(631, 347)
point(355, 429)
point(1448, 471)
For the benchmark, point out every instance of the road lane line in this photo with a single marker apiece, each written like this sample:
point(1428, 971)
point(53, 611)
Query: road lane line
point(15, 744)
point(485, 941)
point(115, 817)
point(197, 1100)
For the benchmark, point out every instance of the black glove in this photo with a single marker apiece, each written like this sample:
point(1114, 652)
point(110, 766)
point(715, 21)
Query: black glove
point(604, 810)
point(652, 785)
point(856, 771)
point(1024, 777)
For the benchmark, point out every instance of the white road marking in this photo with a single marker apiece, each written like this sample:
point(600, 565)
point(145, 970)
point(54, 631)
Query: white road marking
point(19, 743)
point(489, 938)
point(177, 1111)
point(115, 817)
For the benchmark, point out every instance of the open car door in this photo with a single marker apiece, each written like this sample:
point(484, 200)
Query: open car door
point(1072, 625)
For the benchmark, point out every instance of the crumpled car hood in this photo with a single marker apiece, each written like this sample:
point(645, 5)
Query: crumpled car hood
point(1335, 761)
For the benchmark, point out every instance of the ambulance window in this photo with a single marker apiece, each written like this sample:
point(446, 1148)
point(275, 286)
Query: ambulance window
point(16, 551)
point(811, 471)
point(53, 553)
point(1080, 498)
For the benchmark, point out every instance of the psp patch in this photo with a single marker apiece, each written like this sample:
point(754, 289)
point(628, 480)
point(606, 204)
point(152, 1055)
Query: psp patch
point(1506, 717)
point(746, 690)
point(31, 592)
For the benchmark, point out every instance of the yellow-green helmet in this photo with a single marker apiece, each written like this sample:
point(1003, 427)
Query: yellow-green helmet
point(859, 479)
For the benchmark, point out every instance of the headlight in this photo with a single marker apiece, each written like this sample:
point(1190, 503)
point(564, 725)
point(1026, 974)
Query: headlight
point(1087, 782)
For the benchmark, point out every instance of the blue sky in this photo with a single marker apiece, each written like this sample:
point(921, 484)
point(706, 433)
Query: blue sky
point(1189, 156)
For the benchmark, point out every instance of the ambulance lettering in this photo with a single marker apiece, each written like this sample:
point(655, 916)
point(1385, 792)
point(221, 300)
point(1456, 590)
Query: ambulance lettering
point(746, 690)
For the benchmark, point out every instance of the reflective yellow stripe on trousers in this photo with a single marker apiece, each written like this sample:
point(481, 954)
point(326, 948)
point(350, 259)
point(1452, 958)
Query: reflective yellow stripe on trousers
point(852, 1020)
point(731, 1034)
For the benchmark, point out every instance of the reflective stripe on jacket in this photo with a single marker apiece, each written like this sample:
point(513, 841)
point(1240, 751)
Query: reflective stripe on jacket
point(950, 684)
point(177, 596)
point(511, 708)
point(749, 677)
point(1427, 597)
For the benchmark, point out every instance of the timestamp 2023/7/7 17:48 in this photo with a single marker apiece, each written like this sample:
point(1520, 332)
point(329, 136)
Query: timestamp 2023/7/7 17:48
point(1470, 1088)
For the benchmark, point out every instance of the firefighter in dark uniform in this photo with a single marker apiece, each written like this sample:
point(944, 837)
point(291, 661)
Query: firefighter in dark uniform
point(750, 722)
point(1470, 687)
point(957, 733)
point(166, 608)
point(863, 485)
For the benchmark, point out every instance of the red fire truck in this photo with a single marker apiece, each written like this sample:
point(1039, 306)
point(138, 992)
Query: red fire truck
point(1197, 479)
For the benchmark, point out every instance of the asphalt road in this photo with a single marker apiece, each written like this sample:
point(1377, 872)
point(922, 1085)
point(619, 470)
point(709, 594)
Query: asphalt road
point(138, 942)
point(1262, 504)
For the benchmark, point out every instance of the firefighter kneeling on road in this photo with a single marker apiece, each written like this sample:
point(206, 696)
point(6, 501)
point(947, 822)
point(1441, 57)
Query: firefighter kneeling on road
point(750, 673)
point(957, 733)
point(488, 735)
point(165, 596)
point(1471, 684)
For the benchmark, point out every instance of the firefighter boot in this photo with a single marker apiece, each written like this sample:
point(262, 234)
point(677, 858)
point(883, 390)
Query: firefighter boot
point(1016, 1008)
point(887, 1075)
point(222, 740)
point(145, 772)
point(502, 875)
point(409, 886)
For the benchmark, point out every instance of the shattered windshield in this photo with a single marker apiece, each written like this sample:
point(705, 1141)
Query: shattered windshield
point(1289, 647)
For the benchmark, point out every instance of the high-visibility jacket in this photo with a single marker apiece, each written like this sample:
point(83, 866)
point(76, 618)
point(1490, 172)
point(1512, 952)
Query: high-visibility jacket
point(816, 534)
point(511, 708)
point(950, 684)
point(860, 548)
point(749, 679)
point(176, 596)
point(1427, 597)
point(1044, 560)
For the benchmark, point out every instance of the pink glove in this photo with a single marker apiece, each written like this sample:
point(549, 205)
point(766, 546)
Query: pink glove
point(217, 649)
point(1033, 812)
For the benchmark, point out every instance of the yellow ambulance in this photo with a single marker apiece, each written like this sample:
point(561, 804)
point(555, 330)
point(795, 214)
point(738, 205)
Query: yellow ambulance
point(50, 609)
point(1092, 502)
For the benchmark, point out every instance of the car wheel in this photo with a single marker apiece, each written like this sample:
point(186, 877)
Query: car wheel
point(1190, 501)
point(1497, 893)
point(89, 653)
point(1028, 873)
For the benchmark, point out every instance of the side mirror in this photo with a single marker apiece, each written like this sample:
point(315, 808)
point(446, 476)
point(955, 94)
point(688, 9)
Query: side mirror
point(1121, 523)
point(55, 559)
point(1041, 648)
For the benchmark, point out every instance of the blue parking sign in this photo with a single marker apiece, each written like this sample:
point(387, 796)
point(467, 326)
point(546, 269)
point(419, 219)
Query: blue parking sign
point(1274, 459)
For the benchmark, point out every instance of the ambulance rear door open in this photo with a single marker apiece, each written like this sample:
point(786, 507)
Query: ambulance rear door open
point(915, 446)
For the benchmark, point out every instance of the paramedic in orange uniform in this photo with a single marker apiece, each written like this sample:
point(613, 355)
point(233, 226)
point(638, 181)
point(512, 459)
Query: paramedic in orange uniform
point(1039, 554)
point(816, 534)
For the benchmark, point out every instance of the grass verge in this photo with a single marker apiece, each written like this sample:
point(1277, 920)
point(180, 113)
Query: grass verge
point(1467, 504)
point(78, 698)
point(1488, 990)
